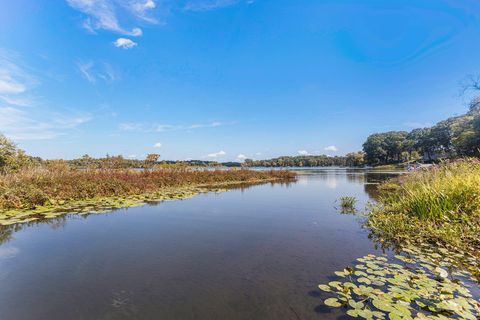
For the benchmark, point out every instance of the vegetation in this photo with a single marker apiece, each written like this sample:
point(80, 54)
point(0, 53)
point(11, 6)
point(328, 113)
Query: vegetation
point(347, 204)
point(353, 159)
point(452, 138)
point(414, 285)
point(151, 160)
point(13, 159)
point(439, 206)
point(32, 188)
point(57, 184)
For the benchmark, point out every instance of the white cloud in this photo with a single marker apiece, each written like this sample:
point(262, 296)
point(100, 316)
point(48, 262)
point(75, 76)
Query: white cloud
point(241, 157)
point(168, 127)
point(20, 125)
point(141, 9)
point(331, 148)
point(92, 71)
point(206, 5)
point(14, 101)
point(132, 156)
point(9, 85)
point(33, 123)
point(130, 126)
point(157, 145)
point(216, 154)
point(124, 43)
point(15, 81)
point(149, 4)
point(102, 14)
point(84, 68)
point(153, 127)
point(303, 153)
point(107, 14)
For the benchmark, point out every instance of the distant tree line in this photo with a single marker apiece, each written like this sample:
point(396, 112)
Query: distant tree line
point(151, 160)
point(454, 137)
point(353, 159)
point(12, 159)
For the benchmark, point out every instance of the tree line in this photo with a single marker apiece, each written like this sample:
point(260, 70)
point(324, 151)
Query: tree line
point(454, 137)
point(12, 159)
point(353, 159)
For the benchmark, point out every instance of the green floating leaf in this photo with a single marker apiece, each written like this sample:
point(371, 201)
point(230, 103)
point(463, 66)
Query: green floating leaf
point(332, 302)
point(353, 313)
point(364, 280)
point(356, 305)
point(324, 287)
point(382, 305)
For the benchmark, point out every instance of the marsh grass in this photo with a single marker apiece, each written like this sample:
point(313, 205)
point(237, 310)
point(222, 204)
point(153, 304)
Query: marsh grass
point(450, 191)
point(55, 185)
point(440, 205)
point(347, 204)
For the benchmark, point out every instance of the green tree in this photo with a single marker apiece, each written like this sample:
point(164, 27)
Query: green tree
point(11, 158)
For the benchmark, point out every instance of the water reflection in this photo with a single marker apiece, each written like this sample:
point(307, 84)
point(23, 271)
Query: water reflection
point(255, 252)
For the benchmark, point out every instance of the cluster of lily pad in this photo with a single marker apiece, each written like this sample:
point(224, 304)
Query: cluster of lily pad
point(418, 285)
point(55, 209)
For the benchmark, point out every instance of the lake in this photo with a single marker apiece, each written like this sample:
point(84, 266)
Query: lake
point(252, 253)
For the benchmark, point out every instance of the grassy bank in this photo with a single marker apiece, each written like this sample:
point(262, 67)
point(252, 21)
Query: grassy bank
point(438, 206)
point(49, 191)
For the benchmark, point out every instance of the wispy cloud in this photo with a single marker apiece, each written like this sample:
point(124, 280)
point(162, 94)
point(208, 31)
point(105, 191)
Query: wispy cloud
point(15, 81)
point(206, 5)
point(153, 127)
point(20, 125)
point(218, 154)
point(157, 145)
point(17, 101)
point(331, 148)
point(142, 9)
point(107, 14)
point(33, 123)
point(102, 14)
point(124, 43)
point(93, 71)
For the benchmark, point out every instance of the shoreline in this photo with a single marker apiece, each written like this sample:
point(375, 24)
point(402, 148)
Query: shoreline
point(109, 203)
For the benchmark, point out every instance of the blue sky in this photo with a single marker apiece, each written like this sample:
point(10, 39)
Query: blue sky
point(228, 79)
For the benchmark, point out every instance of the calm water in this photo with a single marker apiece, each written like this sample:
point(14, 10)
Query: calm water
point(254, 253)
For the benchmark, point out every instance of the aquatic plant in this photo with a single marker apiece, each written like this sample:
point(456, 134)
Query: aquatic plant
point(414, 286)
point(444, 192)
point(347, 204)
point(45, 192)
point(439, 206)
